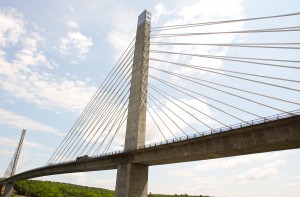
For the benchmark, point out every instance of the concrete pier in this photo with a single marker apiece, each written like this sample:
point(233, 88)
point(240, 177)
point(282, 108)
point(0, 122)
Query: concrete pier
point(132, 179)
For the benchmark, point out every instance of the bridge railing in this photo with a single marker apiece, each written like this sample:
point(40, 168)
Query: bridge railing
point(214, 131)
point(224, 129)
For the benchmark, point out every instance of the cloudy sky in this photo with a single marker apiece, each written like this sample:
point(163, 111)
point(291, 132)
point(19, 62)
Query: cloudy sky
point(55, 54)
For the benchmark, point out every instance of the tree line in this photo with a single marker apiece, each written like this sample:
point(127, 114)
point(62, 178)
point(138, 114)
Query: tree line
point(35, 188)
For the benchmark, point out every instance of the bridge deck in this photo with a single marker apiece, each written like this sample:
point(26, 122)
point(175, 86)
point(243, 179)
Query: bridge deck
point(280, 133)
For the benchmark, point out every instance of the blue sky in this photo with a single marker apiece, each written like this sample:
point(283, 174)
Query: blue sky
point(54, 55)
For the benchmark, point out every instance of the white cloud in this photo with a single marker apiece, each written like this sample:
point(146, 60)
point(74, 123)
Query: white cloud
point(71, 23)
point(107, 183)
point(230, 163)
point(26, 76)
point(34, 145)
point(259, 173)
point(75, 42)
point(290, 184)
point(121, 32)
point(12, 26)
point(202, 11)
point(6, 152)
point(159, 11)
point(18, 121)
point(75, 178)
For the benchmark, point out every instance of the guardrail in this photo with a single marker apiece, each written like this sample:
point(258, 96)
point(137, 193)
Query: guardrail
point(224, 129)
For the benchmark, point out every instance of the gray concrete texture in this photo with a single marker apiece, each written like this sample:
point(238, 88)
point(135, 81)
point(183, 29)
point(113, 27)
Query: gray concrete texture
point(132, 179)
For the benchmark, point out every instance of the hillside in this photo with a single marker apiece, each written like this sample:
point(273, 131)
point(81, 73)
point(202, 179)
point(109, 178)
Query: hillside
point(34, 188)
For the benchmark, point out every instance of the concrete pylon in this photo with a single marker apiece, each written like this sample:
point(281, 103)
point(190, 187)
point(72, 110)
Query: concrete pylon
point(132, 179)
point(9, 186)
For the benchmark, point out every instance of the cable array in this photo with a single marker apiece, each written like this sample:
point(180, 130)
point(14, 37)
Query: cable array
point(196, 84)
point(102, 118)
point(172, 27)
point(10, 166)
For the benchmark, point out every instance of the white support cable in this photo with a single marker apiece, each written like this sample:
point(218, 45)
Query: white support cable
point(153, 119)
point(222, 85)
point(170, 27)
point(189, 79)
point(233, 76)
point(87, 107)
point(174, 86)
point(89, 119)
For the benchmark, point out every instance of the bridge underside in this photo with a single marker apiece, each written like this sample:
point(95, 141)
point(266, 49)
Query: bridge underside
point(271, 136)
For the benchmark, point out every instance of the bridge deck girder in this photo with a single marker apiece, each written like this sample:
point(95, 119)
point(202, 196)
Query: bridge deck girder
point(270, 136)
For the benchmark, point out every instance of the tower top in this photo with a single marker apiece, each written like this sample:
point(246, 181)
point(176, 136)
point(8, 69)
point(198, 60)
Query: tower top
point(145, 16)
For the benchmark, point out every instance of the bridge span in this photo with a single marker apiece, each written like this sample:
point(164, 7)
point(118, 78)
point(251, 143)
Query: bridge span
point(280, 132)
point(177, 91)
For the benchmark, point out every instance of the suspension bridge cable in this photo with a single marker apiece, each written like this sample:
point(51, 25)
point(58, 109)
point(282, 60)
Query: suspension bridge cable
point(154, 88)
point(157, 89)
point(101, 133)
point(231, 57)
point(235, 72)
point(109, 100)
point(10, 165)
point(120, 115)
point(118, 128)
point(72, 145)
point(120, 125)
point(104, 88)
point(174, 86)
point(77, 137)
point(93, 98)
point(103, 112)
point(234, 88)
point(250, 45)
point(145, 105)
point(189, 79)
point(221, 22)
point(233, 76)
point(114, 111)
point(107, 91)
point(270, 30)
point(107, 122)
point(250, 62)
point(150, 97)
point(115, 122)
point(125, 74)
point(161, 120)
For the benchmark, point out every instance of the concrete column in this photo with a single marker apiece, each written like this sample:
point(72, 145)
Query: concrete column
point(132, 179)
point(136, 119)
point(8, 190)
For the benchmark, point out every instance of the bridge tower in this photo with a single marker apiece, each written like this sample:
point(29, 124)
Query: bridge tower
point(9, 186)
point(132, 179)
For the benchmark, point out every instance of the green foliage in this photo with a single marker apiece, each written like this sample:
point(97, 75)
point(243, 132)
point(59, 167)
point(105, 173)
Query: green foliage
point(34, 188)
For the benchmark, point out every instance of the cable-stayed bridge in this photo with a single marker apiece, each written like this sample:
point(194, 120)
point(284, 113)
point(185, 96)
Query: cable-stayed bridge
point(197, 96)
